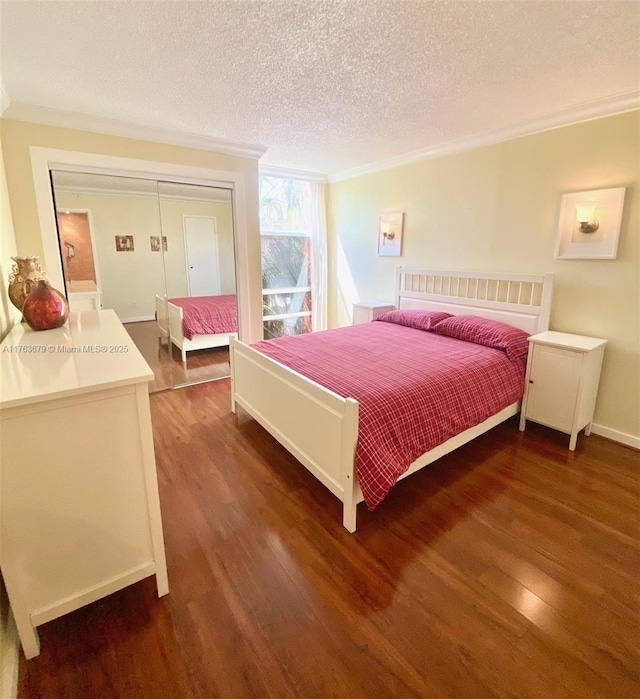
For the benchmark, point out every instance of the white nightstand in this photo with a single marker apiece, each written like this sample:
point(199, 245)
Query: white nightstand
point(366, 311)
point(83, 296)
point(562, 378)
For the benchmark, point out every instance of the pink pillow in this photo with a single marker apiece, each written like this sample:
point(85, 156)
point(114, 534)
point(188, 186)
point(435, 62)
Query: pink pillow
point(420, 320)
point(484, 331)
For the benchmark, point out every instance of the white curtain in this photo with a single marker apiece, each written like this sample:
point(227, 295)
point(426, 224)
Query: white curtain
point(318, 230)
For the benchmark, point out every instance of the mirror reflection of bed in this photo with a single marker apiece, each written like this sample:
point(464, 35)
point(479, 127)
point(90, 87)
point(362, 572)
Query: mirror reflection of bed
point(196, 331)
point(166, 361)
point(151, 247)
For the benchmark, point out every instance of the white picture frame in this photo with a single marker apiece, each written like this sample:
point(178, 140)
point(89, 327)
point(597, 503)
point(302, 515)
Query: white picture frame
point(390, 234)
point(602, 243)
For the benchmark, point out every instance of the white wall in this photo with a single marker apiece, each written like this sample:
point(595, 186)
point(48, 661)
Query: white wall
point(130, 280)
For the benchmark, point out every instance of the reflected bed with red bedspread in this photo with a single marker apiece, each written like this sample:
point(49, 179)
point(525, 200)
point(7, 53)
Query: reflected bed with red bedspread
point(208, 315)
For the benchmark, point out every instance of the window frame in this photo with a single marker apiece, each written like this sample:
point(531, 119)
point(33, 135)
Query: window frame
point(270, 232)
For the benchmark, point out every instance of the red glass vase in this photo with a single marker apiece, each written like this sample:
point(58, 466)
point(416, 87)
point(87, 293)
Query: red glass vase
point(45, 308)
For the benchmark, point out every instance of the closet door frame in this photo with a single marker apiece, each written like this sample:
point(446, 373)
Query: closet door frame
point(43, 160)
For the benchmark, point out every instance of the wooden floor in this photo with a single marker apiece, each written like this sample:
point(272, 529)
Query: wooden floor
point(166, 362)
point(509, 568)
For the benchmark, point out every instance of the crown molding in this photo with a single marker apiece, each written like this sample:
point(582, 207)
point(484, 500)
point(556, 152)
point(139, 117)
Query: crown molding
point(104, 192)
point(606, 106)
point(292, 174)
point(138, 194)
point(20, 111)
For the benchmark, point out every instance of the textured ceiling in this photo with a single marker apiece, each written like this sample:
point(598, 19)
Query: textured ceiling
point(325, 85)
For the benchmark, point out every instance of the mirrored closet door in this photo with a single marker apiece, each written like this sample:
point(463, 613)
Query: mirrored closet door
point(159, 254)
point(201, 312)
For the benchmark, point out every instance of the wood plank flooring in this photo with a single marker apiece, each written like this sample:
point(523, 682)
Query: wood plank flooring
point(509, 568)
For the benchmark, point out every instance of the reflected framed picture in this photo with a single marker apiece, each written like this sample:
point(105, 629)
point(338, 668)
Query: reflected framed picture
point(155, 243)
point(124, 243)
point(390, 234)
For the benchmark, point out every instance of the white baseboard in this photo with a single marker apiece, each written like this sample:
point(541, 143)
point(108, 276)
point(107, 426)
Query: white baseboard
point(627, 439)
point(9, 659)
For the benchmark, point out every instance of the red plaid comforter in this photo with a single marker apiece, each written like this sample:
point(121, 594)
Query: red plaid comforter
point(416, 389)
point(208, 315)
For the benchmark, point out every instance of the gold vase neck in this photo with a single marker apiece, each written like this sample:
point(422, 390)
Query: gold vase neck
point(29, 262)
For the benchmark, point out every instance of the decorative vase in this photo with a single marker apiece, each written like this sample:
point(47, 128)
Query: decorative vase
point(45, 308)
point(25, 274)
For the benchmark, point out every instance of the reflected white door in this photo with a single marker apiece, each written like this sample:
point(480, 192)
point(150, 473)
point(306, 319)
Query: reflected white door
point(201, 243)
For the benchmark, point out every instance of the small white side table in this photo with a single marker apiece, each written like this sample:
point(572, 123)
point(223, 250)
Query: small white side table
point(84, 296)
point(366, 311)
point(563, 372)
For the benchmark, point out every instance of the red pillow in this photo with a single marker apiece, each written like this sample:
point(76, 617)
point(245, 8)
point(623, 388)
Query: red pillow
point(484, 331)
point(420, 320)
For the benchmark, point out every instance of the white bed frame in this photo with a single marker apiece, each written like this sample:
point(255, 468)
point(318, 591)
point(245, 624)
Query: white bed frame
point(170, 328)
point(320, 428)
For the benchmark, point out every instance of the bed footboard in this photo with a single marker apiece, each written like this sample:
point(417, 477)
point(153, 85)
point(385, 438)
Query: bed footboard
point(162, 318)
point(317, 426)
point(176, 332)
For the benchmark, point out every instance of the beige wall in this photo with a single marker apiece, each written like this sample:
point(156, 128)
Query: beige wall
point(129, 281)
point(496, 209)
point(9, 314)
point(18, 137)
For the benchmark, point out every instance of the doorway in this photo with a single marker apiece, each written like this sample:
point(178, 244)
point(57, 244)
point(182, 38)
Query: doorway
point(201, 247)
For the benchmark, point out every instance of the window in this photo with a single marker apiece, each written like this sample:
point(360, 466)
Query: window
point(293, 256)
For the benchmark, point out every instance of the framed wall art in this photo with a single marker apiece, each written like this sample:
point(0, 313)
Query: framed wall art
point(155, 243)
point(124, 243)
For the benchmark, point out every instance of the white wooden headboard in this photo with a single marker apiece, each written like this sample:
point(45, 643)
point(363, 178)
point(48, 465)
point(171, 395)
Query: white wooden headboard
point(522, 300)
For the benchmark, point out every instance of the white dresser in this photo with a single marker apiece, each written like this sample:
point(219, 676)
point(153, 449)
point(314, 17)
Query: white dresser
point(79, 490)
point(561, 385)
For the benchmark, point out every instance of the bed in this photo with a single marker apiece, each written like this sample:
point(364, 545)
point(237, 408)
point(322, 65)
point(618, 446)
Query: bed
point(196, 323)
point(320, 427)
